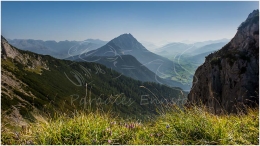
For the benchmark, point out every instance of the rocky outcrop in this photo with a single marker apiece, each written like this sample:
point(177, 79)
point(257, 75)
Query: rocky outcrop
point(229, 79)
point(7, 50)
point(32, 61)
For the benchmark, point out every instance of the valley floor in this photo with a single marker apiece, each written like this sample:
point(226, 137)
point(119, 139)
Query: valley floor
point(193, 126)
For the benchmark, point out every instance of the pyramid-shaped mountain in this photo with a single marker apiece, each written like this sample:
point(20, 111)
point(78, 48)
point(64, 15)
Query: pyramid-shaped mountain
point(116, 49)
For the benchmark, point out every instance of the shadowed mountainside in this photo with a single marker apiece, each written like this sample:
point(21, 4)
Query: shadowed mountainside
point(228, 80)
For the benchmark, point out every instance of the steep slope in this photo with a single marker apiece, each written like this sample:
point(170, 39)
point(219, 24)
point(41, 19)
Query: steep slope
point(33, 83)
point(126, 44)
point(61, 49)
point(228, 80)
point(128, 66)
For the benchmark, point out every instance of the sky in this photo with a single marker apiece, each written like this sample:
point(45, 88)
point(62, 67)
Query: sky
point(147, 21)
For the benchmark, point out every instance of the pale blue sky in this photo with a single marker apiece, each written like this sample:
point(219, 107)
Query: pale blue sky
point(146, 21)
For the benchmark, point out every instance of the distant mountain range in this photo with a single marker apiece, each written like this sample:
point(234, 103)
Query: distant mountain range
point(176, 48)
point(172, 49)
point(207, 48)
point(197, 55)
point(62, 49)
point(149, 46)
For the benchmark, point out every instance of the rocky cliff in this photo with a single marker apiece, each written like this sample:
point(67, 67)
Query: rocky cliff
point(229, 79)
point(32, 61)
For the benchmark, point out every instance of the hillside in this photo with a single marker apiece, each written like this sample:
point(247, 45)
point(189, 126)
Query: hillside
point(126, 44)
point(228, 81)
point(127, 65)
point(33, 83)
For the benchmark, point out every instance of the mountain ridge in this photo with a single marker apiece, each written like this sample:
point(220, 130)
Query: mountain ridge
point(57, 49)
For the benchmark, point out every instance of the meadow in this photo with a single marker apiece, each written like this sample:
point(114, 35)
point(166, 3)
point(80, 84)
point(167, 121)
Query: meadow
point(179, 126)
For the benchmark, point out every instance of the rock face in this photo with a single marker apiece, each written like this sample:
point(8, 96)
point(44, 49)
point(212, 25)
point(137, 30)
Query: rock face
point(8, 51)
point(229, 79)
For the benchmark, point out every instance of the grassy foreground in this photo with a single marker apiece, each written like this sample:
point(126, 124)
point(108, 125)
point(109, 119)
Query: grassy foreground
point(194, 126)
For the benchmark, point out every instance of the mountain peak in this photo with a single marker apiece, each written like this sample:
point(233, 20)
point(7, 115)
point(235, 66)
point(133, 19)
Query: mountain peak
point(252, 18)
point(129, 34)
point(253, 14)
point(126, 35)
point(127, 42)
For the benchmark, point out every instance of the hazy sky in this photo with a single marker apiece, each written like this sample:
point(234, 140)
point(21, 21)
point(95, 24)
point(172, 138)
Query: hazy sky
point(146, 21)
